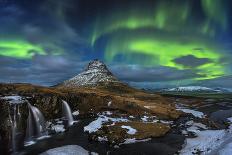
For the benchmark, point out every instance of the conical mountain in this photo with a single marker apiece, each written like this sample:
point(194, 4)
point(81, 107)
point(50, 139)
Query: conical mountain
point(96, 73)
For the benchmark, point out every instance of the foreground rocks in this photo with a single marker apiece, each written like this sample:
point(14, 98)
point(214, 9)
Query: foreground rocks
point(89, 101)
point(118, 133)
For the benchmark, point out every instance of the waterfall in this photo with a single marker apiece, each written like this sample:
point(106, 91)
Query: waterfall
point(67, 113)
point(35, 123)
point(13, 121)
point(18, 113)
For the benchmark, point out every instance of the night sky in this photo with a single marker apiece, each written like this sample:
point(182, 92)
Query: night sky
point(149, 44)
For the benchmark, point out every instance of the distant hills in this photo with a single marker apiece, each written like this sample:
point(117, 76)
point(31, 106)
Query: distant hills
point(197, 89)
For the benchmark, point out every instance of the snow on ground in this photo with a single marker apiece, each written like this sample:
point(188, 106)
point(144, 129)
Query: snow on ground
point(145, 118)
point(68, 150)
point(153, 119)
point(194, 112)
point(230, 119)
point(195, 126)
point(131, 131)
point(97, 124)
point(14, 99)
point(190, 111)
point(226, 150)
point(207, 141)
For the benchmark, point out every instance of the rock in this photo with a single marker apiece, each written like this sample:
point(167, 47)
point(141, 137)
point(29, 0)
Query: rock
point(5, 126)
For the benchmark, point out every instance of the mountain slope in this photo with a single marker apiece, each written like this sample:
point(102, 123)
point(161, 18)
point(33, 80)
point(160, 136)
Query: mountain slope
point(95, 74)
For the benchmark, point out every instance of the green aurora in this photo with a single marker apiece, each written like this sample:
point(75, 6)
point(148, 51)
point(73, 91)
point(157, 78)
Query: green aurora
point(173, 19)
point(22, 49)
point(149, 33)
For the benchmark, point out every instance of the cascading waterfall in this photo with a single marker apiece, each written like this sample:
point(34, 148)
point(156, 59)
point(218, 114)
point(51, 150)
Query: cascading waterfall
point(14, 118)
point(35, 123)
point(18, 113)
point(13, 121)
point(67, 113)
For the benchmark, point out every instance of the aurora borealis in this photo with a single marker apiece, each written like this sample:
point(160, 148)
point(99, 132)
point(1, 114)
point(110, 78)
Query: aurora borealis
point(159, 43)
point(19, 49)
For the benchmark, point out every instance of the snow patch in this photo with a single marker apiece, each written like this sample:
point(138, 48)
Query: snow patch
point(207, 141)
point(226, 150)
point(67, 150)
point(97, 124)
point(131, 131)
point(145, 118)
point(230, 119)
point(193, 112)
point(194, 127)
point(190, 111)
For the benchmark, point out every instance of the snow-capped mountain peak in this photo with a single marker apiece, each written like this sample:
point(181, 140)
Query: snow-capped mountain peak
point(95, 73)
point(191, 88)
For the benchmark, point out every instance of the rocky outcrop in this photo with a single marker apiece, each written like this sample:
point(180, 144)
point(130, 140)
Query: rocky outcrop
point(5, 126)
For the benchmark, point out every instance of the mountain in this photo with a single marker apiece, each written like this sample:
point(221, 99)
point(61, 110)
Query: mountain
point(191, 89)
point(224, 90)
point(197, 89)
point(96, 73)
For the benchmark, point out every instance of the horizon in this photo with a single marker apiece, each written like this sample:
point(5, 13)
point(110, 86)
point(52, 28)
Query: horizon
point(149, 44)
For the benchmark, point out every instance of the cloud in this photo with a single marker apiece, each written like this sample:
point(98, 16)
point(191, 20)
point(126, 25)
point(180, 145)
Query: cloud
point(224, 81)
point(43, 70)
point(62, 30)
point(136, 73)
point(191, 61)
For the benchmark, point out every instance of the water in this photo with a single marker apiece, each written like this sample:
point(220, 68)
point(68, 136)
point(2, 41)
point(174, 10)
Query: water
point(18, 113)
point(13, 121)
point(67, 113)
point(36, 126)
point(14, 118)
